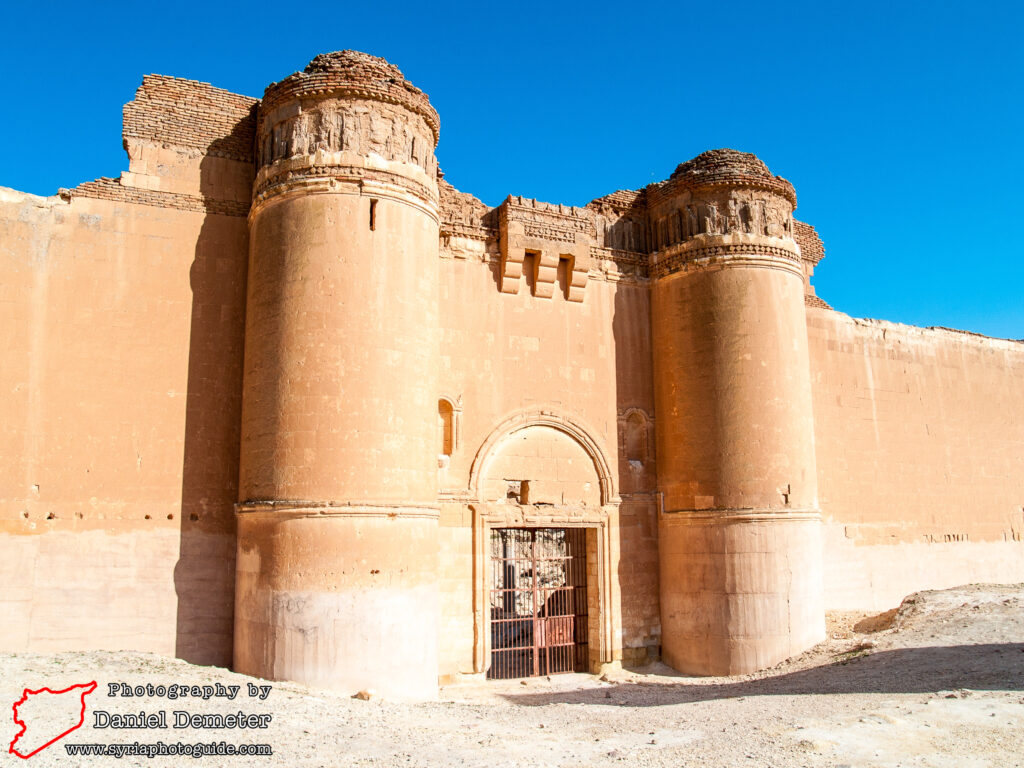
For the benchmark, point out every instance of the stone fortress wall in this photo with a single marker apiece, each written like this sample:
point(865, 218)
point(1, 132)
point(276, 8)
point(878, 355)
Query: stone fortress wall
point(920, 446)
point(123, 316)
point(655, 365)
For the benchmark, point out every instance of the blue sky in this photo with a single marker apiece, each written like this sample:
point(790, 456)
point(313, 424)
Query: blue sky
point(900, 124)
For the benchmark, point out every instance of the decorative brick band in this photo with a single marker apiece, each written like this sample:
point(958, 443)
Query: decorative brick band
point(811, 247)
point(112, 189)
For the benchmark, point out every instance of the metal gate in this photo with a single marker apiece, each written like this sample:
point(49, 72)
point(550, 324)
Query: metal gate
point(538, 601)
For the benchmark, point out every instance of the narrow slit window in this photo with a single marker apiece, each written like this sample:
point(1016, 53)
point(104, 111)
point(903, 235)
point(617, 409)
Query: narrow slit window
point(564, 275)
point(446, 427)
point(530, 270)
point(373, 215)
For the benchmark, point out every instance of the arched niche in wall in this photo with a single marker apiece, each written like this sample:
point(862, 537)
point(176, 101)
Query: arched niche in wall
point(635, 435)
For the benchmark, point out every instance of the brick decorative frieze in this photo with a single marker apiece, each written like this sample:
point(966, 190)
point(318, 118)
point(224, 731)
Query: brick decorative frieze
point(723, 212)
point(113, 189)
point(716, 207)
point(347, 126)
point(463, 215)
point(347, 116)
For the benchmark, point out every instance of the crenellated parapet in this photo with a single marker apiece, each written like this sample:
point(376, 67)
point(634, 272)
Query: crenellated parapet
point(721, 208)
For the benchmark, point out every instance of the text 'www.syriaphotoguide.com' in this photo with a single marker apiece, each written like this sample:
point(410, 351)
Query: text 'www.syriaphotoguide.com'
point(174, 749)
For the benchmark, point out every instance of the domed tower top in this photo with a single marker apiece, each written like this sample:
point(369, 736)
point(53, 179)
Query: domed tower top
point(352, 74)
point(347, 118)
point(723, 160)
point(722, 202)
point(729, 167)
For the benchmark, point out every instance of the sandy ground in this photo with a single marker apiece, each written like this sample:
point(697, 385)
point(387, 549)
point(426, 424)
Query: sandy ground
point(940, 683)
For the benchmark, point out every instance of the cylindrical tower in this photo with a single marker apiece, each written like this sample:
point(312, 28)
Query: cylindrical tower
point(739, 531)
point(336, 582)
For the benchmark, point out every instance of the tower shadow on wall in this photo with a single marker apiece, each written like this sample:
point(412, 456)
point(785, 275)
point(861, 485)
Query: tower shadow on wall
point(637, 472)
point(204, 576)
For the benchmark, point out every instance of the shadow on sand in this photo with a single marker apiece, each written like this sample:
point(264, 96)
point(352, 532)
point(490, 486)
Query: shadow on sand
point(996, 667)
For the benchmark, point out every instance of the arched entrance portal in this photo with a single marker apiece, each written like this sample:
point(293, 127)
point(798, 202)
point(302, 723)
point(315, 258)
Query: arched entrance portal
point(546, 598)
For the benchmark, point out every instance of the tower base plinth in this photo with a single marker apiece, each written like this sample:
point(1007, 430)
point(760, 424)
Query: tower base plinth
point(344, 601)
point(739, 592)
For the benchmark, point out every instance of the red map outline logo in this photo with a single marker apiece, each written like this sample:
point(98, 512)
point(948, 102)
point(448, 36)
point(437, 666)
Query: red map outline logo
point(87, 689)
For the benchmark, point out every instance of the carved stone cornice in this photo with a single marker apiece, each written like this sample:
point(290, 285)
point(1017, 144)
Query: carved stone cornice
point(550, 233)
point(339, 185)
point(672, 187)
point(469, 231)
point(615, 265)
point(711, 517)
point(329, 177)
point(710, 252)
point(304, 508)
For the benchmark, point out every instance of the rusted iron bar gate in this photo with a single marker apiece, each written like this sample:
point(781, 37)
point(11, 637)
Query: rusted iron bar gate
point(538, 601)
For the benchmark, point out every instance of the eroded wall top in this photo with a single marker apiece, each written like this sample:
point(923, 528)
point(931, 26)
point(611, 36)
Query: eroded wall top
point(189, 148)
point(186, 113)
